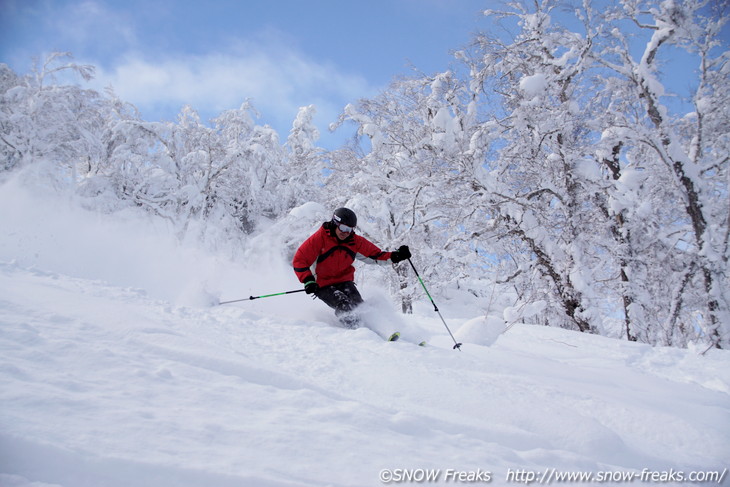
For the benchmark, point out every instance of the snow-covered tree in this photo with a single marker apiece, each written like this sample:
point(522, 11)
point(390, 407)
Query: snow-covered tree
point(225, 177)
point(214, 182)
point(537, 187)
point(416, 129)
point(687, 154)
point(615, 201)
point(304, 174)
point(41, 121)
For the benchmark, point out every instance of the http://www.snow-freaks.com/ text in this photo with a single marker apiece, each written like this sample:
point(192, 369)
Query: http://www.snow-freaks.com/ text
point(548, 476)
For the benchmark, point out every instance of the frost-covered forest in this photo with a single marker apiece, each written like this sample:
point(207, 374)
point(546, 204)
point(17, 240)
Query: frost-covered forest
point(552, 163)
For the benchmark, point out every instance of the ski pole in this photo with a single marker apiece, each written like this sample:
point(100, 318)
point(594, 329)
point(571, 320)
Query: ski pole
point(435, 308)
point(251, 298)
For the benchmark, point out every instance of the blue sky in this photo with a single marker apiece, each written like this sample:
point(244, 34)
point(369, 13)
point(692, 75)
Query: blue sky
point(282, 54)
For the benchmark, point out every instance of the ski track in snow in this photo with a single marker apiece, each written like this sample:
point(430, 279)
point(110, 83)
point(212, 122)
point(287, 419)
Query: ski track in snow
point(105, 386)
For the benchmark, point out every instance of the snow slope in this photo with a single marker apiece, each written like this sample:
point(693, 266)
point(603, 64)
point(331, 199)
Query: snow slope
point(115, 372)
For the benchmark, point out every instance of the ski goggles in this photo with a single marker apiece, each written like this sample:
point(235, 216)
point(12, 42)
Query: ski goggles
point(344, 228)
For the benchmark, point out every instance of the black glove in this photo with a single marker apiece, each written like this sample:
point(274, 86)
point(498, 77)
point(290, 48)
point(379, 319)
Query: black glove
point(311, 287)
point(402, 253)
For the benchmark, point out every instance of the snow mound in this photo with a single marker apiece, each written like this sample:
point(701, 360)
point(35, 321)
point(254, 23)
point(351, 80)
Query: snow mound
point(483, 330)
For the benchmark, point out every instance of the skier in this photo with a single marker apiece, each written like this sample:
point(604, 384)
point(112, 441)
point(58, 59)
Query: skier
point(323, 263)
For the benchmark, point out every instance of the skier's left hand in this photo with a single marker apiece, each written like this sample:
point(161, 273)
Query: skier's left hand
point(402, 253)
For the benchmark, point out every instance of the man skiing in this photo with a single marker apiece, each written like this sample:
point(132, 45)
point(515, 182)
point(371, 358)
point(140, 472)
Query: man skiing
point(323, 263)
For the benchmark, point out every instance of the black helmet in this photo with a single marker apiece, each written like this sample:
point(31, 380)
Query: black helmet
point(345, 216)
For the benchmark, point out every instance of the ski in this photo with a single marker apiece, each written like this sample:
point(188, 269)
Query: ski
point(396, 336)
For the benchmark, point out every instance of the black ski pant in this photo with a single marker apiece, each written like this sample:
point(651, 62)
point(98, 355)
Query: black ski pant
point(343, 297)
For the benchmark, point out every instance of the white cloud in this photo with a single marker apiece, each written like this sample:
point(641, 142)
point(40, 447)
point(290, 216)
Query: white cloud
point(159, 69)
point(277, 80)
point(92, 22)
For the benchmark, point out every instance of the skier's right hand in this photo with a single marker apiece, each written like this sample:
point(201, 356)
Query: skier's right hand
point(311, 287)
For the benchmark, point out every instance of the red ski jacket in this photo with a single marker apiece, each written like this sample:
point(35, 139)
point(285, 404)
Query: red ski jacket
point(329, 259)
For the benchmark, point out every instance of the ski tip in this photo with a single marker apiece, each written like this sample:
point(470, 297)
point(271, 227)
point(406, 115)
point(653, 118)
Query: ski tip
point(422, 344)
point(394, 337)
